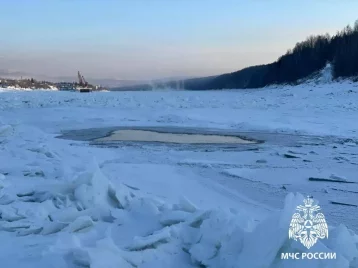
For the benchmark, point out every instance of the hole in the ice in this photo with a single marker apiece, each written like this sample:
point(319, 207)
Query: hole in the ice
point(166, 137)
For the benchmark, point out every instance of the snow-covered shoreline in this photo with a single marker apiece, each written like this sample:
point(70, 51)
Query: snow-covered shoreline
point(66, 204)
point(10, 88)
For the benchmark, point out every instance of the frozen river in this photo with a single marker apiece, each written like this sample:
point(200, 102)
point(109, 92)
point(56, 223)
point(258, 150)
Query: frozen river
point(259, 168)
point(135, 177)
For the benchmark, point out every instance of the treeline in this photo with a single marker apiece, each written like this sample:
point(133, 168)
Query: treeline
point(304, 59)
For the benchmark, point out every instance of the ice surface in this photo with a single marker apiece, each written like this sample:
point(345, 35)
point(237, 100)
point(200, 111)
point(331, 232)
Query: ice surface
point(140, 243)
point(173, 217)
point(67, 204)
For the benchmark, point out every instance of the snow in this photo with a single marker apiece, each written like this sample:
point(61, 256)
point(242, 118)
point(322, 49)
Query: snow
point(324, 76)
point(12, 88)
point(69, 203)
point(327, 74)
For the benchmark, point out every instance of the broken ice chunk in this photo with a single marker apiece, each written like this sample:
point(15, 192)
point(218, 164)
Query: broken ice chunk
point(151, 241)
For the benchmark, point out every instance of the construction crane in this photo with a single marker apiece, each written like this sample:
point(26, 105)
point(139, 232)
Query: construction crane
point(83, 84)
point(82, 80)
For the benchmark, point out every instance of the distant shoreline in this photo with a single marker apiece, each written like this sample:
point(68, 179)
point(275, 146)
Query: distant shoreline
point(32, 84)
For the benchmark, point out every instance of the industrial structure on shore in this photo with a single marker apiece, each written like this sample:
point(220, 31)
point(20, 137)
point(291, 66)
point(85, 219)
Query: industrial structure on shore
point(82, 85)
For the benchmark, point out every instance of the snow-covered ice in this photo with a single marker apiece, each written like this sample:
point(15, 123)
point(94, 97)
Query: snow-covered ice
point(67, 203)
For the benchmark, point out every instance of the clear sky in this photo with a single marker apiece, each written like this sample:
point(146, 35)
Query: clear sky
point(144, 39)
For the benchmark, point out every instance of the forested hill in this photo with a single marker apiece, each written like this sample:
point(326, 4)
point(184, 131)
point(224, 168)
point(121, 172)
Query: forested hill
point(304, 59)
